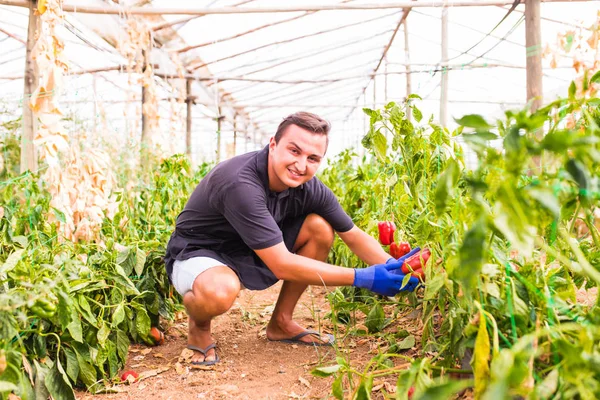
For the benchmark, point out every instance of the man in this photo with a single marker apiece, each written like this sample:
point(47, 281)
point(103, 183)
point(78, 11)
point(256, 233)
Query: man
point(262, 217)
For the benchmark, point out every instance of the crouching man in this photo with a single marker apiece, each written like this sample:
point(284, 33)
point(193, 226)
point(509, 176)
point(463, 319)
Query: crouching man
point(262, 217)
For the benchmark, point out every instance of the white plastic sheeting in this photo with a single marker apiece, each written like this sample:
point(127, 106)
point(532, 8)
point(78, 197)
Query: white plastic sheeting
point(323, 61)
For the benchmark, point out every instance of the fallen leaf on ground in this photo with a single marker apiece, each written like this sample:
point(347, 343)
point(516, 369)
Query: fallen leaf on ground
point(158, 355)
point(138, 358)
point(152, 372)
point(377, 387)
point(146, 351)
point(179, 368)
point(186, 355)
point(389, 387)
point(304, 382)
point(203, 367)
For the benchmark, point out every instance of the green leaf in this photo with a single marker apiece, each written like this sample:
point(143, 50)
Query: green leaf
point(74, 326)
point(417, 113)
point(337, 388)
point(59, 215)
point(72, 364)
point(481, 135)
point(547, 199)
point(142, 321)
point(445, 390)
point(7, 387)
point(369, 112)
point(471, 257)
point(407, 343)
point(140, 261)
point(118, 315)
point(64, 309)
point(364, 389)
point(375, 319)
point(414, 96)
point(11, 261)
point(481, 357)
point(87, 372)
point(516, 230)
point(21, 241)
point(595, 78)
point(380, 144)
point(84, 305)
point(122, 345)
point(548, 387)
point(578, 172)
point(323, 372)
point(473, 121)
point(102, 334)
point(41, 391)
point(445, 186)
point(572, 90)
point(58, 383)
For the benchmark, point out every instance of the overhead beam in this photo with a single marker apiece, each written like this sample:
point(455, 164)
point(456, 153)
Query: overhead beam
point(257, 10)
point(17, 38)
point(187, 48)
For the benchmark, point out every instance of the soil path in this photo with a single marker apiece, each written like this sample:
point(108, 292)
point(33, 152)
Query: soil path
point(251, 367)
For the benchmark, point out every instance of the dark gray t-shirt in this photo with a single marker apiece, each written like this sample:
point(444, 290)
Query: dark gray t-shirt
point(232, 212)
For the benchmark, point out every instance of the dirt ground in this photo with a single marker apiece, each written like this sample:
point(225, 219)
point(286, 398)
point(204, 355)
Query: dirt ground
point(251, 367)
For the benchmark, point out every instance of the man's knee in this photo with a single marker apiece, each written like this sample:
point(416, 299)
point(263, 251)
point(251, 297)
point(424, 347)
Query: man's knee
point(320, 230)
point(217, 291)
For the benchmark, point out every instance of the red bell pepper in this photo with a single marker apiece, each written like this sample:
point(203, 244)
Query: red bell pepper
point(386, 232)
point(397, 250)
point(394, 250)
point(416, 261)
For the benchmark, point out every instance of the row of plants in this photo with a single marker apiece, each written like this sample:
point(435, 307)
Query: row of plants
point(512, 241)
point(69, 310)
point(507, 259)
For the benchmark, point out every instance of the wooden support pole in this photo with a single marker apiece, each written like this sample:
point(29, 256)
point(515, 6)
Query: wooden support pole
point(145, 122)
point(188, 120)
point(444, 77)
point(407, 68)
point(28, 153)
point(533, 46)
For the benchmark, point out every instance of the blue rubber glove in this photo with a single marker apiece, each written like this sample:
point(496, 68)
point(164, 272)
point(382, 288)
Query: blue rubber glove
point(382, 279)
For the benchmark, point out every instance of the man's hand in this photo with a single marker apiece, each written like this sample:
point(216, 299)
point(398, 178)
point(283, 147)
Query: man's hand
point(384, 279)
point(413, 263)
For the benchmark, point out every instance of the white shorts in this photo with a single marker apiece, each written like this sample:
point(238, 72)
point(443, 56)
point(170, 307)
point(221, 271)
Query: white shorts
point(185, 272)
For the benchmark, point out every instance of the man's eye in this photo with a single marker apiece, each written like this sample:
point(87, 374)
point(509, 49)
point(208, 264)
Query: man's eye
point(294, 151)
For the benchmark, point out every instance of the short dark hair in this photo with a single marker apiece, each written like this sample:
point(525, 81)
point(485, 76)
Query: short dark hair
point(305, 120)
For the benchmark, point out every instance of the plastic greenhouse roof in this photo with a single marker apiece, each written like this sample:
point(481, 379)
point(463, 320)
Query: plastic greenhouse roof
point(314, 61)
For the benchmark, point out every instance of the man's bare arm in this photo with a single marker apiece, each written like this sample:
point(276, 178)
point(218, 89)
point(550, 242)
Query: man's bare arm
point(292, 267)
point(366, 247)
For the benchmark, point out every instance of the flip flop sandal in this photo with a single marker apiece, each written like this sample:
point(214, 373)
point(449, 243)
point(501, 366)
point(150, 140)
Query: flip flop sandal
point(204, 351)
point(296, 339)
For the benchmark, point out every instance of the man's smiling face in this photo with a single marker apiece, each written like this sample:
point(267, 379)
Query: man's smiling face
point(296, 158)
